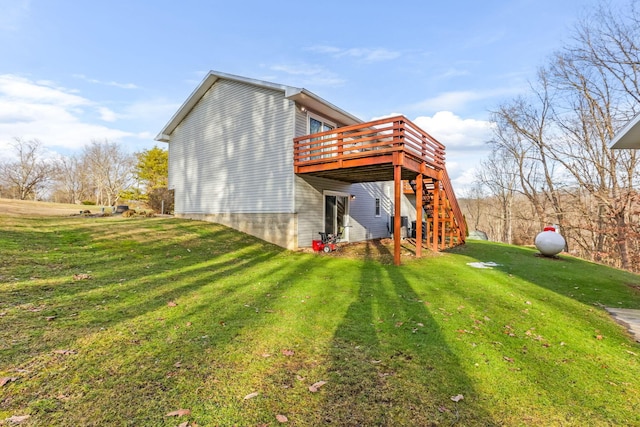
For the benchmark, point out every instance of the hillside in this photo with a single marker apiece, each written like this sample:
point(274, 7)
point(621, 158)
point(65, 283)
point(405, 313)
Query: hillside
point(112, 321)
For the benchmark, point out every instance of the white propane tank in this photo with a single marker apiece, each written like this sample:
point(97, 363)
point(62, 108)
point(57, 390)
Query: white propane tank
point(549, 243)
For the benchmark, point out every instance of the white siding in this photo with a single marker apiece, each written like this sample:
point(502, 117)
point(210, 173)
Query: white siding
point(301, 122)
point(233, 153)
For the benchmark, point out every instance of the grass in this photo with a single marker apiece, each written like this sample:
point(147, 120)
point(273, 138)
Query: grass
point(156, 315)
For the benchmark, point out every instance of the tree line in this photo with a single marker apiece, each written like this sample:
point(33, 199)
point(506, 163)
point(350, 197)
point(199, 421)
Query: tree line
point(550, 160)
point(102, 174)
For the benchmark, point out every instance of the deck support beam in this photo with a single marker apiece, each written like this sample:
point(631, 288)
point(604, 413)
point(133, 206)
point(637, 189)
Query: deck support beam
point(397, 189)
point(419, 195)
point(436, 215)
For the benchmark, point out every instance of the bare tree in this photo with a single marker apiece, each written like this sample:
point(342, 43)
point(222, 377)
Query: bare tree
point(110, 169)
point(524, 128)
point(498, 174)
point(473, 204)
point(72, 183)
point(27, 175)
point(558, 137)
point(593, 98)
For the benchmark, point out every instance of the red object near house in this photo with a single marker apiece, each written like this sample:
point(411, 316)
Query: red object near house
point(317, 245)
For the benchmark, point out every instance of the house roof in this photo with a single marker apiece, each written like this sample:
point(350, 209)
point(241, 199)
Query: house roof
point(300, 95)
point(628, 136)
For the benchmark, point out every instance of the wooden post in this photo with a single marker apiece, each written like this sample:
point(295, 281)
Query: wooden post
point(397, 188)
point(419, 191)
point(436, 214)
point(451, 226)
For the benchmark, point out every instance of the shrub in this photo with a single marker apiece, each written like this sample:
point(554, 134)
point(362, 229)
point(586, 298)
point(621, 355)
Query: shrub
point(157, 195)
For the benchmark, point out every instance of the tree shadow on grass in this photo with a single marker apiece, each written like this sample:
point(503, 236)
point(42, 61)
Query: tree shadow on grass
point(137, 350)
point(79, 308)
point(390, 365)
point(547, 323)
point(574, 278)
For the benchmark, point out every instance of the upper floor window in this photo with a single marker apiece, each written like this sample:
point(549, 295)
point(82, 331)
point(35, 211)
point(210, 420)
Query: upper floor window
point(317, 124)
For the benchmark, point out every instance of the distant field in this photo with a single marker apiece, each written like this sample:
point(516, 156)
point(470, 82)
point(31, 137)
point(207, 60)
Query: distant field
point(14, 207)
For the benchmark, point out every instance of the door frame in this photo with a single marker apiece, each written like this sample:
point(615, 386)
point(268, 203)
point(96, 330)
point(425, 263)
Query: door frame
point(347, 214)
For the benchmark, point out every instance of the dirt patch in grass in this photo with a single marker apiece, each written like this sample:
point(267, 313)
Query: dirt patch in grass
point(380, 250)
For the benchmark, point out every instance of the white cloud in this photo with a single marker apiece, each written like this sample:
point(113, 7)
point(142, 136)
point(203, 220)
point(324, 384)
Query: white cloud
point(18, 88)
point(55, 116)
point(465, 179)
point(458, 100)
point(465, 142)
point(312, 75)
point(386, 116)
point(111, 83)
point(365, 54)
point(146, 135)
point(107, 115)
point(455, 132)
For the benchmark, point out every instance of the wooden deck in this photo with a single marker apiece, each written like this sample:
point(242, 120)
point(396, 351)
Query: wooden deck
point(391, 149)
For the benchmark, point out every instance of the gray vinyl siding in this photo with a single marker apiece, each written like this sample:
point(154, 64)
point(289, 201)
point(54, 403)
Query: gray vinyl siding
point(233, 152)
point(365, 210)
point(364, 224)
point(301, 122)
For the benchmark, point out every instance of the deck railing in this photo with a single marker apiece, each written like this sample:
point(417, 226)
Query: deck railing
point(378, 137)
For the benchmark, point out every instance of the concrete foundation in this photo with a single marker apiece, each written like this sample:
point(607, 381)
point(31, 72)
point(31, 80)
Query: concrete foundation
point(277, 228)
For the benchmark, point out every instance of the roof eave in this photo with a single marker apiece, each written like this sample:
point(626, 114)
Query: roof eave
point(162, 137)
point(628, 137)
point(319, 105)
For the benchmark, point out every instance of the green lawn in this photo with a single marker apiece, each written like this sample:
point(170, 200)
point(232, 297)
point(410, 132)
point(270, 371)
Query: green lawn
point(112, 321)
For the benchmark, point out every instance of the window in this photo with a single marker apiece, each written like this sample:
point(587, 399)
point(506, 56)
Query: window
point(316, 125)
point(377, 206)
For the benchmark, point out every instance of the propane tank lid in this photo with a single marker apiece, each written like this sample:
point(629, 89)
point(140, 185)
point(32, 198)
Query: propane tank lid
point(549, 228)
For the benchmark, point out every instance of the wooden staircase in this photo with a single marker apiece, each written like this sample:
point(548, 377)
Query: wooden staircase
point(443, 225)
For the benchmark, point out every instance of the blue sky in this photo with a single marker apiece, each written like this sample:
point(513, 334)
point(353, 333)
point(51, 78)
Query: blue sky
point(72, 71)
